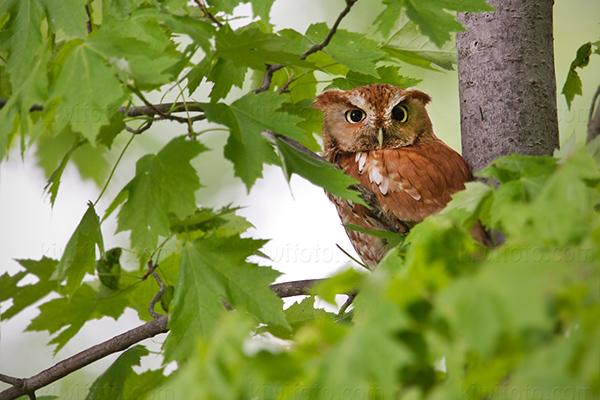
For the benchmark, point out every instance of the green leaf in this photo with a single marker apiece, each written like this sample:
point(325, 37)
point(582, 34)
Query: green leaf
point(225, 75)
point(573, 84)
point(109, 268)
point(474, 200)
point(518, 166)
point(68, 315)
point(26, 295)
point(507, 297)
point(251, 47)
point(212, 269)
point(15, 114)
point(21, 36)
point(54, 180)
point(354, 50)
point(393, 239)
point(111, 384)
point(375, 370)
point(262, 9)
point(569, 195)
point(347, 282)
point(136, 386)
point(138, 48)
point(435, 18)
point(246, 118)
point(223, 223)
point(387, 75)
point(299, 315)
point(164, 183)
point(86, 106)
point(219, 366)
point(200, 31)
point(410, 46)
point(79, 256)
point(316, 171)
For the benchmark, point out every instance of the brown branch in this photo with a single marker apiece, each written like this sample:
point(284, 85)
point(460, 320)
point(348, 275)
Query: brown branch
point(10, 380)
point(268, 77)
point(295, 288)
point(86, 357)
point(163, 288)
point(594, 120)
point(119, 343)
point(163, 110)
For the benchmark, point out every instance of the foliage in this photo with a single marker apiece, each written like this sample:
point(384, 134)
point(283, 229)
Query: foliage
point(573, 85)
point(443, 317)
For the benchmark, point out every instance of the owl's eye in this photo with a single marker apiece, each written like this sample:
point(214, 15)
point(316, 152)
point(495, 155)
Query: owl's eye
point(400, 113)
point(354, 116)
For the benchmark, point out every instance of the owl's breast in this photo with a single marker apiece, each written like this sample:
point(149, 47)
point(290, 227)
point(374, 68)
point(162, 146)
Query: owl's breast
point(411, 182)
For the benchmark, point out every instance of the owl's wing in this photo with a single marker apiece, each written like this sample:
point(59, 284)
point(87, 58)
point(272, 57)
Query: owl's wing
point(411, 182)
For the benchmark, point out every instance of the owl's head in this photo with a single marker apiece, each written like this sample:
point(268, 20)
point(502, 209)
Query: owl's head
point(374, 117)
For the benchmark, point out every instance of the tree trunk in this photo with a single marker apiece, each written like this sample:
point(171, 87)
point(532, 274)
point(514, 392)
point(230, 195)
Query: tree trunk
point(507, 84)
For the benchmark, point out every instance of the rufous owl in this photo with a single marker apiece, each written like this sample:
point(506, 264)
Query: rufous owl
point(382, 136)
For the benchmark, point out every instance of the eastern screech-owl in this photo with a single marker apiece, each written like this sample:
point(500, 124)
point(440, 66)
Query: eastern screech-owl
point(382, 136)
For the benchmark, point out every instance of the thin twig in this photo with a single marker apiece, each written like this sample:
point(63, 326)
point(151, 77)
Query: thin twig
point(320, 46)
point(271, 69)
point(144, 127)
point(594, 121)
point(286, 85)
point(347, 304)
point(163, 288)
point(88, 23)
point(207, 14)
point(163, 114)
point(268, 77)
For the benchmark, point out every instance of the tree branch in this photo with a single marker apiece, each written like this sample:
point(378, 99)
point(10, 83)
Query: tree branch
point(321, 46)
point(121, 342)
point(163, 110)
point(86, 357)
point(207, 14)
point(159, 294)
point(594, 120)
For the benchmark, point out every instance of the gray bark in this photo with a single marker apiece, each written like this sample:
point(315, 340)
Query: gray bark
point(507, 83)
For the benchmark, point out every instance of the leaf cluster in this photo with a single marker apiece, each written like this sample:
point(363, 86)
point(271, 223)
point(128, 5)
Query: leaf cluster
point(443, 317)
point(573, 85)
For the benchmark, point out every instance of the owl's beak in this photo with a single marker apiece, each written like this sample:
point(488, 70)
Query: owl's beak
point(380, 137)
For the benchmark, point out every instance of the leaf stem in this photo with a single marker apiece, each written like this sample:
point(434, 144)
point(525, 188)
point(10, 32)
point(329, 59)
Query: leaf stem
point(112, 172)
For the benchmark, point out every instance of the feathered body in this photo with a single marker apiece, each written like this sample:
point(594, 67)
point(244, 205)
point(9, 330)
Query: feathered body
point(382, 136)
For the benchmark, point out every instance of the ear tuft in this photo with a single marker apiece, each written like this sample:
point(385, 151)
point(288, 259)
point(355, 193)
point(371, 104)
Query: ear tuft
point(333, 96)
point(412, 93)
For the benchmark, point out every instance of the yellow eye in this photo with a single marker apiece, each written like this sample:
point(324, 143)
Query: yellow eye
point(400, 113)
point(354, 116)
